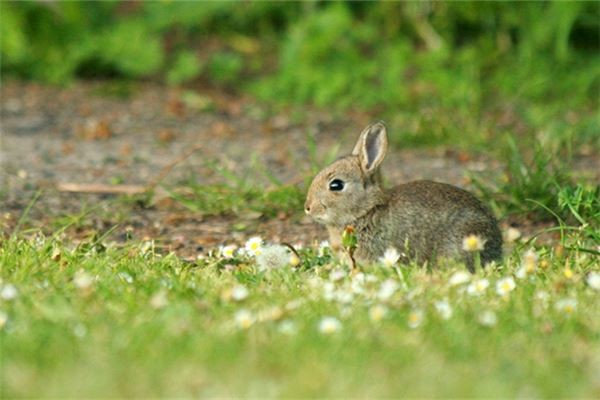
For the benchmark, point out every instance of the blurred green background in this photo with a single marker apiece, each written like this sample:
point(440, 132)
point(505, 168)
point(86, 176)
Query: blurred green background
point(479, 68)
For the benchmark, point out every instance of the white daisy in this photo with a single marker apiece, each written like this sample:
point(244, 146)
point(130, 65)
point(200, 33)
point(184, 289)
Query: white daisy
point(337, 275)
point(415, 318)
point(444, 309)
point(9, 292)
point(488, 318)
point(228, 251)
point(459, 277)
point(387, 289)
point(377, 312)
point(567, 305)
point(505, 285)
point(478, 287)
point(390, 257)
point(287, 327)
point(239, 292)
point(593, 280)
point(473, 243)
point(529, 261)
point(329, 325)
point(159, 299)
point(254, 246)
point(244, 319)
point(82, 280)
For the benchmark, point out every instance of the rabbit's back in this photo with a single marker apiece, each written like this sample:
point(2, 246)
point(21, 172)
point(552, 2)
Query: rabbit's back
point(428, 220)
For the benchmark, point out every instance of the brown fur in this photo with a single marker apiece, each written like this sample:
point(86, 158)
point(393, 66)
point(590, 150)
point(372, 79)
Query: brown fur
point(425, 221)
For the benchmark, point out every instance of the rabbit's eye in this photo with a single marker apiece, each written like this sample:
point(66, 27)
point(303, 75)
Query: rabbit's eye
point(336, 185)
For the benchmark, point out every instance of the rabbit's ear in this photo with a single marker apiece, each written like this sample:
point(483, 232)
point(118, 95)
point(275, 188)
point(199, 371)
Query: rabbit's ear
point(371, 147)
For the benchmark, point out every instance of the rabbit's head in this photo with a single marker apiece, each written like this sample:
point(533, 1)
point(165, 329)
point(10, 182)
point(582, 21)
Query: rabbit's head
point(348, 188)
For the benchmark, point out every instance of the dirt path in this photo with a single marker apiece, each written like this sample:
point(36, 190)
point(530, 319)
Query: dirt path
point(52, 136)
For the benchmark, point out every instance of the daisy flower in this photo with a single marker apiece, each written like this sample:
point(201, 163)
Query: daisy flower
point(444, 309)
point(505, 285)
point(415, 318)
point(377, 312)
point(159, 299)
point(488, 318)
point(593, 280)
point(387, 289)
point(566, 306)
point(239, 292)
point(390, 257)
point(473, 243)
point(244, 319)
point(227, 251)
point(254, 246)
point(478, 287)
point(9, 292)
point(337, 275)
point(82, 280)
point(530, 261)
point(329, 325)
point(287, 327)
point(459, 277)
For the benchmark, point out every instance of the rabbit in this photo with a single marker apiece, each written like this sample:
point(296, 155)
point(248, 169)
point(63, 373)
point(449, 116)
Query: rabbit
point(424, 221)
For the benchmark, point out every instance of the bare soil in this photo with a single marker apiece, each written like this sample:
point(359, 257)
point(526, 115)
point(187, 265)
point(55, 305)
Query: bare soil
point(51, 136)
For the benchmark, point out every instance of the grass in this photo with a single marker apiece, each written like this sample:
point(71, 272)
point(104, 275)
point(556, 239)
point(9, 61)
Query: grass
point(98, 319)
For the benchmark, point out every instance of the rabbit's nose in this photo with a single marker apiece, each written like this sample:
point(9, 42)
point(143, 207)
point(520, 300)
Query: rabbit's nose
point(307, 207)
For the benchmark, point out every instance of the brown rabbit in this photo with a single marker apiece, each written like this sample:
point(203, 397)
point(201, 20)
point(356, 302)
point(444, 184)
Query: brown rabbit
point(425, 221)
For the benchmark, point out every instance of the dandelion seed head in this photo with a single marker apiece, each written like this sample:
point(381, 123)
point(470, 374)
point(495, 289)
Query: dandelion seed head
point(273, 257)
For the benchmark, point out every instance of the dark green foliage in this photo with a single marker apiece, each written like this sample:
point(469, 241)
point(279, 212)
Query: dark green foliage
point(438, 72)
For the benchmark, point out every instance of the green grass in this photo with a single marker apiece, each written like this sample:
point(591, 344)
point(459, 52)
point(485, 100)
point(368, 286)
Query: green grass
point(97, 319)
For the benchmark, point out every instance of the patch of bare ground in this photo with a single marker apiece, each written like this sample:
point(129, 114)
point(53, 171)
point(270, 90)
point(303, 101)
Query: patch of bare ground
point(53, 136)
